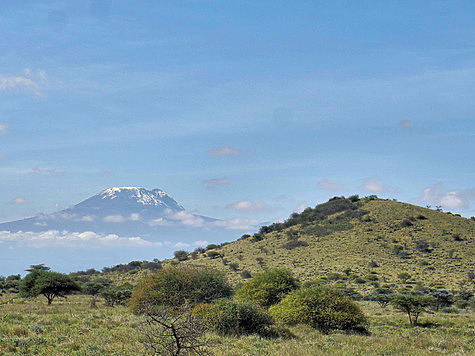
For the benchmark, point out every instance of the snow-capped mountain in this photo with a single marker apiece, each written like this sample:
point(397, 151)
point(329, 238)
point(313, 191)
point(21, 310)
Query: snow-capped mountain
point(125, 210)
point(117, 225)
point(128, 200)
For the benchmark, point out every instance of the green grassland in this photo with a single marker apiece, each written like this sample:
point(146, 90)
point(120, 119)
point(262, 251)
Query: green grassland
point(378, 242)
point(70, 327)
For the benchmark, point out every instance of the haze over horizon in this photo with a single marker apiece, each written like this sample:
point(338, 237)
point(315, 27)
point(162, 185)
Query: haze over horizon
point(241, 111)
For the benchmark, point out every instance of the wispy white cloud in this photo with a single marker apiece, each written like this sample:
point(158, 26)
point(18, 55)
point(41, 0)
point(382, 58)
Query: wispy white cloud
point(181, 245)
point(301, 207)
point(55, 238)
point(39, 170)
point(327, 185)
point(200, 243)
point(217, 182)
point(224, 151)
point(19, 201)
point(247, 205)
point(159, 222)
point(406, 124)
point(237, 224)
point(30, 81)
point(375, 185)
point(3, 128)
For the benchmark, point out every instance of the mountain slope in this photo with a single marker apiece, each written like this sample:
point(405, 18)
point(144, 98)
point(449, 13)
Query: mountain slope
point(370, 235)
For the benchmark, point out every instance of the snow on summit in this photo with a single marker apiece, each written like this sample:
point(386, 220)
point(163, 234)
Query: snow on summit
point(153, 197)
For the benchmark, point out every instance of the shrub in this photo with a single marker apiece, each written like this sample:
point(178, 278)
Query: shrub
point(228, 317)
point(294, 244)
point(422, 245)
point(213, 254)
point(404, 277)
point(321, 307)
point(354, 198)
point(174, 286)
point(181, 255)
point(383, 296)
point(267, 288)
point(246, 274)
point(407, 222)
point(234, 266)
point(117, 295)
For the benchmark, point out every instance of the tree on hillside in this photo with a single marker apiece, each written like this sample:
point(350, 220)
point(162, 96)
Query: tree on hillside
point(49, 284)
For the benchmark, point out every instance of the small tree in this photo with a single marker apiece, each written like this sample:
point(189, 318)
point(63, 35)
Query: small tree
point(49, 284)
point(441, 298)
point(412, 304)
point(93, 289)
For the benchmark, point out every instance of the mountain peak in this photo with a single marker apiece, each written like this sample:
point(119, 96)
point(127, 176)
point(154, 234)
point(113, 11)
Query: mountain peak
point(131, 198)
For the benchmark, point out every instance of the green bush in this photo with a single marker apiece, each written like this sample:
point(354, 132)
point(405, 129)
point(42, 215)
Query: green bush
point(227, 317)
point(181, 255)
point(174, 286)
point(322, 307)
point(117, 295)
point(267, 288)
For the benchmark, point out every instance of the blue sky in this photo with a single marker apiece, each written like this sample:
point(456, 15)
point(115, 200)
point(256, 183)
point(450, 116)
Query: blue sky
point(248, 109)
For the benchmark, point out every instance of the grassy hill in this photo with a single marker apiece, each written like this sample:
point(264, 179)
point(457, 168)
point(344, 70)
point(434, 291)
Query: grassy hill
point(362, 241)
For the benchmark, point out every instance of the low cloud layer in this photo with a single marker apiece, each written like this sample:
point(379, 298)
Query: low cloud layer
point(120, 218)
point(224, 151)
point(187, 219)
point(55, 238)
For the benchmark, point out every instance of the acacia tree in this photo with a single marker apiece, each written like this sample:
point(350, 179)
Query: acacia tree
point(412, 304)
point(49, 284)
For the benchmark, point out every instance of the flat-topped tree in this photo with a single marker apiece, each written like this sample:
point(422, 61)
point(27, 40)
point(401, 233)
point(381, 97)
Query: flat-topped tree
point(49, 284)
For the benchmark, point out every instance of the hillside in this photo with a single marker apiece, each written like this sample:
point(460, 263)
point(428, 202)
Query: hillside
point(366, 241)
